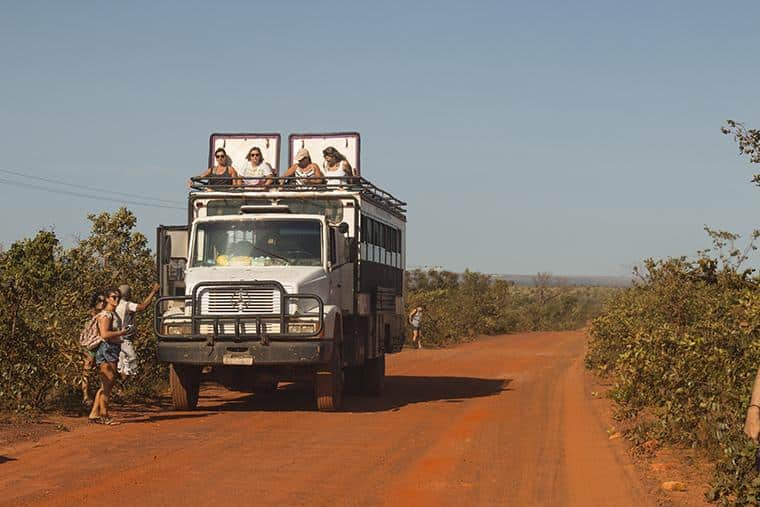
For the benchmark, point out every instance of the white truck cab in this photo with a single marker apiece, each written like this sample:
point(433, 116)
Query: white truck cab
point(297, 280)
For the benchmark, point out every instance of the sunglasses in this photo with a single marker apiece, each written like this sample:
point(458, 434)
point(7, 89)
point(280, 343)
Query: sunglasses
point(254, 155)
point(221, 155)
point(114, 296)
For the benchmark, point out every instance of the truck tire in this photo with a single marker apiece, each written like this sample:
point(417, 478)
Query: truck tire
point(328, 385)
point(373, 380)
point(185, 383)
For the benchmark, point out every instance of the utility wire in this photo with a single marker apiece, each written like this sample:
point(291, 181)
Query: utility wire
point(88, 196)
point(85, 187)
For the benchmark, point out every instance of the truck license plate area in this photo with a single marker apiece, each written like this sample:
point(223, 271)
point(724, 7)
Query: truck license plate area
point(238, 358)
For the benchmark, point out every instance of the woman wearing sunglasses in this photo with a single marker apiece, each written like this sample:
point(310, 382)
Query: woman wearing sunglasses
point(97, 303)
point(259, 172)
point(107, 355)
point(222, 174)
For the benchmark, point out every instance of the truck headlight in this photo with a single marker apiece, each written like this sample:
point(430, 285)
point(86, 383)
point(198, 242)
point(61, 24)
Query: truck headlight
point(306, 328)
point(178, 329)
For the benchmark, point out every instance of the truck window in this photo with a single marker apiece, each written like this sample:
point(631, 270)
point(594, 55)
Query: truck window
point(258, 243)
point(330, 208)
point(333, 247)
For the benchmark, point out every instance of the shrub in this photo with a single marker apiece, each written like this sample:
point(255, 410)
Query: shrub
point(43, 306)
point(459, 308)
point(682, 348)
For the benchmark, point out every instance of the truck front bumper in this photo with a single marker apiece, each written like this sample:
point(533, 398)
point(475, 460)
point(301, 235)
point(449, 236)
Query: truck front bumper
point(293, 353)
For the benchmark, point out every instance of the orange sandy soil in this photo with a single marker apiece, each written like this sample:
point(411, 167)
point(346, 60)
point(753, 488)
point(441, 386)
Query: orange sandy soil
point(506, 420)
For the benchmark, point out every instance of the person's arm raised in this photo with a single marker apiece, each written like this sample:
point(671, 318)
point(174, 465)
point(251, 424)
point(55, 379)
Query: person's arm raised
point(146, 302)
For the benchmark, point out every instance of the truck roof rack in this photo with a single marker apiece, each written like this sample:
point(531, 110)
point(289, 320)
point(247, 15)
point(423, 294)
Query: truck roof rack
point(357, 185)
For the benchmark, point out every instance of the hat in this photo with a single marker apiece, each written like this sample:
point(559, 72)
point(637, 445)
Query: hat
point(302, 154)
point(125, 290)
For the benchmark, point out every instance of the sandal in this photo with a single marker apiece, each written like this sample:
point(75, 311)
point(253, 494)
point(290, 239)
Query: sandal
point(94, 420)
point(108, 421)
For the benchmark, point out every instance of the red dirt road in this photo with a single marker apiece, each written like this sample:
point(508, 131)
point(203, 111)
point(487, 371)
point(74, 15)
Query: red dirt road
point(507, 420)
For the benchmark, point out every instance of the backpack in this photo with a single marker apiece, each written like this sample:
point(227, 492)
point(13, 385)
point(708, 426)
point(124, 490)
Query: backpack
point(90, 338)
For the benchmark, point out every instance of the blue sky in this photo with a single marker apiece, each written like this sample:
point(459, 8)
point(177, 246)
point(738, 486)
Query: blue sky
point(526, 137)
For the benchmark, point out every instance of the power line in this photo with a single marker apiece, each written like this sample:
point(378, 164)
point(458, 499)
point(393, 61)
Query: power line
point(88, 196)
point(85, 187)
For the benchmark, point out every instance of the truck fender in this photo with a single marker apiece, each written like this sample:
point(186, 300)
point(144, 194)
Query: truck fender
point(331, 313)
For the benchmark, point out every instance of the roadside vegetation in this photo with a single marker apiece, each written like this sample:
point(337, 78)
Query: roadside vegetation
point(682, 347)
point(46, 288)
point(44, 293)
point(460, 307)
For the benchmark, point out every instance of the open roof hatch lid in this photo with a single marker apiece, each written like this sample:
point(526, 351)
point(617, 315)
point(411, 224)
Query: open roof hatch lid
point(237, 147)
point(347, 143)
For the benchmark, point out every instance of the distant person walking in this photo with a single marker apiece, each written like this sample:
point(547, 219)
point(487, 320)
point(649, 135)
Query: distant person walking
point(415, 319)
point(109, 327)
point(126, 310)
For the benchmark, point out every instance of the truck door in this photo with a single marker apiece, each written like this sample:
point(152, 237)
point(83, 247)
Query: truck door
point(342, 278)
point(171, 253)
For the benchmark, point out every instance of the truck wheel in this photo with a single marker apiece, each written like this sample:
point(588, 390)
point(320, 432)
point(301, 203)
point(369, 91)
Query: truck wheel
point(185, 382)
point(328, 385)
point(374, 375)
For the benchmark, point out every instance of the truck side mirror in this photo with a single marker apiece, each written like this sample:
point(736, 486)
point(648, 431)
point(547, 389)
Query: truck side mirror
point(343, 228)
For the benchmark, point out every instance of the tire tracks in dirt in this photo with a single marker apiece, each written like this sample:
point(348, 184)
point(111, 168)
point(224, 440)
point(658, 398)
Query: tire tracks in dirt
point(501, 421)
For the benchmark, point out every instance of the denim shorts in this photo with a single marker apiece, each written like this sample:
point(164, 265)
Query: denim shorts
point(107, 353)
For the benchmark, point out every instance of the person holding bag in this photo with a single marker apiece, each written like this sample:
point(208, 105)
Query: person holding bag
point(90, 340)
point(106, 357)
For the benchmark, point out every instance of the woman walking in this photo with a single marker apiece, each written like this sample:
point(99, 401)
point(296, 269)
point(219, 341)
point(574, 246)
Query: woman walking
point(415, 319)
point(106, 357)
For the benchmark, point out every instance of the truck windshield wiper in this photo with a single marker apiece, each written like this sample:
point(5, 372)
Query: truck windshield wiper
point(272, 254)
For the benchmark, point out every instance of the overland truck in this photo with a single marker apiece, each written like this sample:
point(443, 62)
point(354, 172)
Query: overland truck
point(298, 280)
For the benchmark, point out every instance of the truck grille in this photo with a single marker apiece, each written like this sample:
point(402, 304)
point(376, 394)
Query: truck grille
point(241, 301)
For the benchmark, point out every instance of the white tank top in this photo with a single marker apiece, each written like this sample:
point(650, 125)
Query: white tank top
point(333, 175)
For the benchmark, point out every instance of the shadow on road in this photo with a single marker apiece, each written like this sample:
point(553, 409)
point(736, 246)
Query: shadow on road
point(400, 390)
point(152, 418)
point(3, 459)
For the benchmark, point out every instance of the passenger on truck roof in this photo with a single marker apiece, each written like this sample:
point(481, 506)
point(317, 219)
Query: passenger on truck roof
point(336, 168)
point(222, 176)
point(258, 173)
point(304, 170)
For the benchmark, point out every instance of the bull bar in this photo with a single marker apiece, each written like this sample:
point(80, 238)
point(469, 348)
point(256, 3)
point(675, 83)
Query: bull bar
point(220, 321)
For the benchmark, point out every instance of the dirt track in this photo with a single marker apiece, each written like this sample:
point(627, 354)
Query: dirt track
point(505, 421)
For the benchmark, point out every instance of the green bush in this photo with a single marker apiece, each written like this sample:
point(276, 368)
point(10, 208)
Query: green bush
point(459, 308)
point(43, 307)
point(682, 348)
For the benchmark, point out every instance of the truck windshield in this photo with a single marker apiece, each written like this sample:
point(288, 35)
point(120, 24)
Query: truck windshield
point(258, 243)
